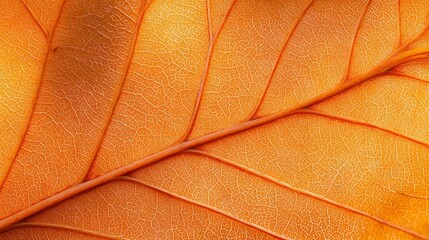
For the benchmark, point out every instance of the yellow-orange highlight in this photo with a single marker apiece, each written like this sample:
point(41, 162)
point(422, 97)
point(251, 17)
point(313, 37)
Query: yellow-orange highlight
point(214, 119)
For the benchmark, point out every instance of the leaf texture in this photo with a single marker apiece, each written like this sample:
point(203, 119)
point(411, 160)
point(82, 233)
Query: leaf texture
point(212, 119)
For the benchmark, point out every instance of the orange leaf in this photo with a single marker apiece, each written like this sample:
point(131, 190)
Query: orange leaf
point(214, 119)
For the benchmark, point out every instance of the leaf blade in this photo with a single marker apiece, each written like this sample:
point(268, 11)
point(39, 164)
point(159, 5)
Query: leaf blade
point(404, 67)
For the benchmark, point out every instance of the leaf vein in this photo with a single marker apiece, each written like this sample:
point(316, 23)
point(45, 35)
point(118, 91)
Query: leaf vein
point(308, 193)
point(277, 63)
point(39, 24)
point(401, 74)
point(144, 7)
point(205, 206)
point(213, 41)
point(36, 97)
point(63, 227)
point(358, 27)
point(398, 57)
point(363, 124)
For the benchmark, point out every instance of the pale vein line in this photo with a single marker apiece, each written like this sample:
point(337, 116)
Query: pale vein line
point(36, 97)
point(116, 99)
point(413, 40)
point(63, 227)
point(309, 194)
point(277, 63)
point(213, 41)
point(401, 74)
point(398, 57)
point(39, 24)
point(205, 206)
point(358, 27)
point(411, 195)
point(362, 123)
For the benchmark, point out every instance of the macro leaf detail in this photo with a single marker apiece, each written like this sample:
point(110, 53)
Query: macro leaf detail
point(214, 119)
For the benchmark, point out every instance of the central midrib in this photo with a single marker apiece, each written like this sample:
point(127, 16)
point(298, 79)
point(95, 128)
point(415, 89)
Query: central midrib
point(397, 58)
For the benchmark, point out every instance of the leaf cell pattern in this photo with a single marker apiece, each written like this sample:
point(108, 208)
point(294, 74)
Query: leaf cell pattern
point(212, 119)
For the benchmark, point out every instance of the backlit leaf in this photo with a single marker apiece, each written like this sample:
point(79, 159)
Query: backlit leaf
point(206, 119)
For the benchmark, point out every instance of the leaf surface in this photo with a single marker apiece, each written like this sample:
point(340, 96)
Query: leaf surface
point(214, 119)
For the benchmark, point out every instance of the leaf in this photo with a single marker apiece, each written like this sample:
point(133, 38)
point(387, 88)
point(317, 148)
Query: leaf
point(214, 119)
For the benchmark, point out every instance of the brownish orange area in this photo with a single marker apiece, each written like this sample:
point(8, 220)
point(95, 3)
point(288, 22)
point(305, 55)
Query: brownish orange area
point(20, 63)
point(79, 82)
point(214, 119)
point(158, 96)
